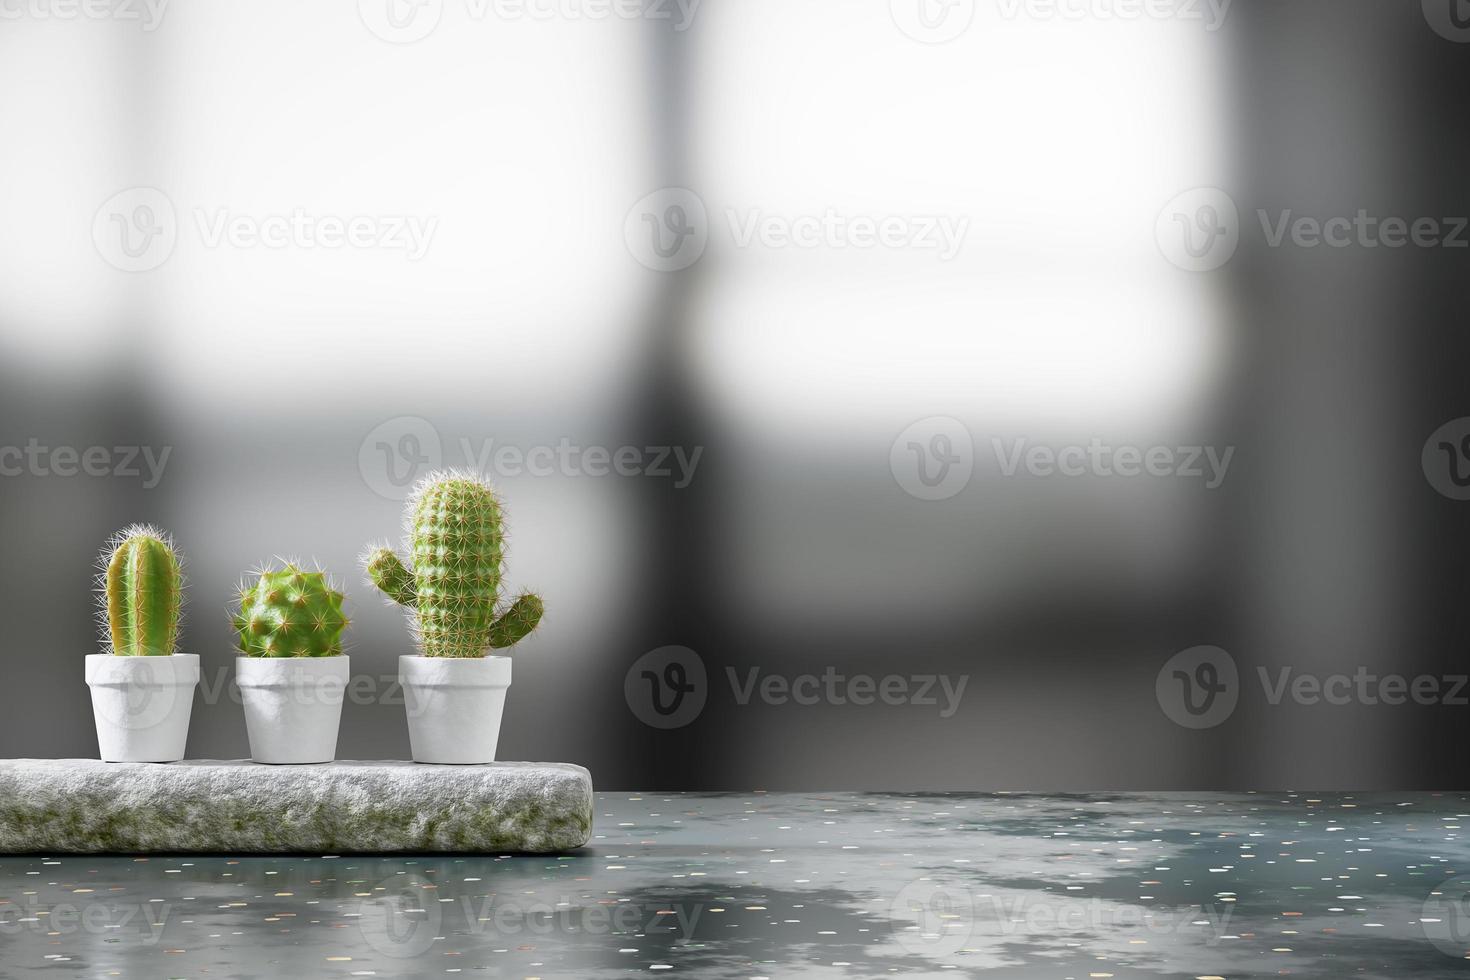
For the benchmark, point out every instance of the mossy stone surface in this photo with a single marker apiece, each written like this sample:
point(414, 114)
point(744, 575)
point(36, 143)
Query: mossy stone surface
point(83, 806)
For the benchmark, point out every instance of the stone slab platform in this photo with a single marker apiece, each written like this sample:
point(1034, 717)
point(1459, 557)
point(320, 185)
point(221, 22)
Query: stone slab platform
point(83, 806)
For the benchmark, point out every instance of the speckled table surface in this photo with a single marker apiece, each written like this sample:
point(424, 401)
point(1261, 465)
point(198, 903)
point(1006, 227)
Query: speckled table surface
point(821, 885)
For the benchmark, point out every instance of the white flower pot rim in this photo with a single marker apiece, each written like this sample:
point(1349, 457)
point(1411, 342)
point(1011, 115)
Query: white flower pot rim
point(256, 669)
point(109, 668)
point(459, 672)
point(271, 671)
point(291, 660)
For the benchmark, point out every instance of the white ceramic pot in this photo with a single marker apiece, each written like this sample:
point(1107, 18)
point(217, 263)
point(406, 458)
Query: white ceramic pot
point(142, 705)
point(293, 706)
point(454, 706)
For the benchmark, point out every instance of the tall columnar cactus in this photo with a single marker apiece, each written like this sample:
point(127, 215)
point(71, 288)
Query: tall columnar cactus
point(452, 590)
point(290, 613)
point(142, 588)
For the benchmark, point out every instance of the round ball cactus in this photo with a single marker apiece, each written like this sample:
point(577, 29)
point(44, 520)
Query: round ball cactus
point(142, 588)
point(457, 543)
point(290, 613)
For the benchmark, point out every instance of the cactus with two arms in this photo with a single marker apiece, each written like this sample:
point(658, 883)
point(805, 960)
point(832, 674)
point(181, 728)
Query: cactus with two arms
point(451, 585)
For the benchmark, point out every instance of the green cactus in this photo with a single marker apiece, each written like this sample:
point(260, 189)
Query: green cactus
point(290, 613)
point(142, 588)
point(457, 543)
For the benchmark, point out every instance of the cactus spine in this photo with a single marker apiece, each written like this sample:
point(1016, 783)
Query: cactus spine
point(457, 546)
point(290, 613)
point(142, 592)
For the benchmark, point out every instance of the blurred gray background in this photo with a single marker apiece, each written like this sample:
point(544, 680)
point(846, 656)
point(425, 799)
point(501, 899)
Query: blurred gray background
point(298, 385)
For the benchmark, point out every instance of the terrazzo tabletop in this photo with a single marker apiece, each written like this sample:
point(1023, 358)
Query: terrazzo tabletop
point(838, 885)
